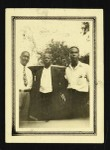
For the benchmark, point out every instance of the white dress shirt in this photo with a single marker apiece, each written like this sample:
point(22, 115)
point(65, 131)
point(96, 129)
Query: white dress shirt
point(78, 77)
point(46, 81)
point(20, 80)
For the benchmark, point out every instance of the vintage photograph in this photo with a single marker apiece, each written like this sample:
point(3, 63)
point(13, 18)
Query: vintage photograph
point(55, 57)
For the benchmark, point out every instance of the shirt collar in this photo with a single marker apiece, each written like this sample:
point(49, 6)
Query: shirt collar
point(47, 68)
point(78, 65)
point(22, 66)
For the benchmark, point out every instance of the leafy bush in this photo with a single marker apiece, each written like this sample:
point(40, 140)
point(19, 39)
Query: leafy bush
point(60, 54)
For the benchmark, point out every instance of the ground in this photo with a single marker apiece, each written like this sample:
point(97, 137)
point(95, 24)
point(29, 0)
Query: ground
point(72, 123)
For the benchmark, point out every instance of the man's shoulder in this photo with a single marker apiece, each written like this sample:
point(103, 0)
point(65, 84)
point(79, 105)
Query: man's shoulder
point(29, 70)
point(57, 67)
point(68, 67)
point(83, 64)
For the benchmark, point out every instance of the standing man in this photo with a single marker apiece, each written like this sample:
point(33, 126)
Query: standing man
point(25, 84)
point(48, 89)
point(77, 75)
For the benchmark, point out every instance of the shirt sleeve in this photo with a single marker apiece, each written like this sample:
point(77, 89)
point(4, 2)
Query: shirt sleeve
point(66, 74)
point(88, 73)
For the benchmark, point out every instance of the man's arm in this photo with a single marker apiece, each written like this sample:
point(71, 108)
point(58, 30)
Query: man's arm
point(30, 81)
point(62, 85)
point(88, 73)
point(88, 76)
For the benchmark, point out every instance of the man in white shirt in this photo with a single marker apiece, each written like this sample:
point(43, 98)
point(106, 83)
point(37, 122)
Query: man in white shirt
point(25, 84)
point(77, 75)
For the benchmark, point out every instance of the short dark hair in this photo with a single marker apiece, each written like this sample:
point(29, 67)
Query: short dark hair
point(25, 52)
point(73, 47)
point(48, 54)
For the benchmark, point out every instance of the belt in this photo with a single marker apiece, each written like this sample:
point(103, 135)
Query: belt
point(24, 90)
point(72, 90)
point(75, 91)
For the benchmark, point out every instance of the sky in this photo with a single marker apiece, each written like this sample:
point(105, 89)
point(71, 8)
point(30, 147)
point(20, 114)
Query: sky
point(35, 35)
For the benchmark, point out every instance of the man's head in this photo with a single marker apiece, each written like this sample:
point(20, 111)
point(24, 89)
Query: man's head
point(74, 53)
point(24, 58)
point(47, 59)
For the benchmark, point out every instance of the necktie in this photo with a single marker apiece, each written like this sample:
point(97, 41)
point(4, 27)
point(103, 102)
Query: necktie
point(25, 77)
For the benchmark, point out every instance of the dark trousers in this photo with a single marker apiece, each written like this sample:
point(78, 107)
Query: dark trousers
point(45, 109)
point(24, 102)
point(77, 104)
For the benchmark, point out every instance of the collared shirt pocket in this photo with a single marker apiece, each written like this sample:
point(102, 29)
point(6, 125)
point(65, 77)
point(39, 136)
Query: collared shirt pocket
point(81, 79)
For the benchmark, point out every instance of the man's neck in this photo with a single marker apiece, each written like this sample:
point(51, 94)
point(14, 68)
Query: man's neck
point(23, 65)
point(47, 66)
point(74, 63)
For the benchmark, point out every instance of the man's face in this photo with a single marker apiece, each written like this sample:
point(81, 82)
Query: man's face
point(24, 58)
point(47, 59)
point(74, 54)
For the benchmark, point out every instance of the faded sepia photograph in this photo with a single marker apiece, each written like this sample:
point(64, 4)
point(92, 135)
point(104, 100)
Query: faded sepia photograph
point(52, 87)
point(54, 72)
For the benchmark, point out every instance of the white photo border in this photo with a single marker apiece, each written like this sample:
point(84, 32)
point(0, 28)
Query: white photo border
point(95, 136)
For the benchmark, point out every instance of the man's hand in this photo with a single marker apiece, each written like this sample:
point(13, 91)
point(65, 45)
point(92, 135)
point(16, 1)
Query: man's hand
point(63, 97)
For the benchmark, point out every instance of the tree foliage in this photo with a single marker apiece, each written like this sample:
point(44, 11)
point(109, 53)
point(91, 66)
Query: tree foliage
point(60, 54)
point(85, 59)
